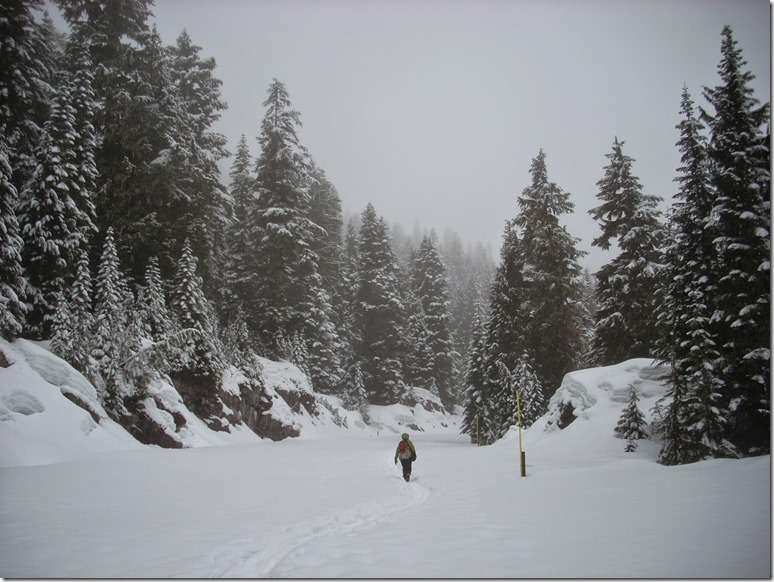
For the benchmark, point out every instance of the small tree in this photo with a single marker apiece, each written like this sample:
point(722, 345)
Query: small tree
point(632, 425)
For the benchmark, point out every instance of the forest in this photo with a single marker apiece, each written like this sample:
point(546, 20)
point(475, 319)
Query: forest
point(122, 244)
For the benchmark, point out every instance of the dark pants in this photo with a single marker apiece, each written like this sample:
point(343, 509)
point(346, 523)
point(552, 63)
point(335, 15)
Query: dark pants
point(406, 468)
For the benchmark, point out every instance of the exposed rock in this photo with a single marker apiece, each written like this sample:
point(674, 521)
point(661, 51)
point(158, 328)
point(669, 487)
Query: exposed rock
point(78, 400)
point(4, 363)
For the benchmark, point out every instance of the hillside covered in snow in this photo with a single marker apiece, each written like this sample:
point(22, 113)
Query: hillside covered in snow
point(80, 497)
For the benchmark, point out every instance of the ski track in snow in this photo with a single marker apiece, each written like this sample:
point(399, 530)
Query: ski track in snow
point(263, 557)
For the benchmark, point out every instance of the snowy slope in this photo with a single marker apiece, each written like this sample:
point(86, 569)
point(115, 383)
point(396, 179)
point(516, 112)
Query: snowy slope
point(332, 503)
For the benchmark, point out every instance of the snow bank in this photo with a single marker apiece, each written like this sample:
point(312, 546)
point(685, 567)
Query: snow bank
point(50, 413)
point(38, 423)
point(585, 410)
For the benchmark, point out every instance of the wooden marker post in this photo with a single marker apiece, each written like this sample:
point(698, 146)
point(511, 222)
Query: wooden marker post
point(522, 455)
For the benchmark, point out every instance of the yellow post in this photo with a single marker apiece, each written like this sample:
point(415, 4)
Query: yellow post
point(522, 456)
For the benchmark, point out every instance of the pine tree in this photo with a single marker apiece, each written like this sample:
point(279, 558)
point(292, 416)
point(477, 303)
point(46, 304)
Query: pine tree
point(203, 355)
point(631, 425)
point(429, 282)
point(62, 341)
point(509, 314)
point(238, 271)
point(207, 207)
point(27, 71)
point(551, 276)
point(379, 313)
point(279, 280)
point(53, 227)
point(531, 395)
point(418, 364)
point(82, 317)
point(626, 321)
point(155, 319)
point(83, 101)
point(12, 283)
point(739, 156)
point(110, 323)
point(694, 423)
point(353, 392)
point(474, 381)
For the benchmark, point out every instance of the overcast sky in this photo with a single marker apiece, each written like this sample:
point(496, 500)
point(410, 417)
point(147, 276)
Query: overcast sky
point(434, 109)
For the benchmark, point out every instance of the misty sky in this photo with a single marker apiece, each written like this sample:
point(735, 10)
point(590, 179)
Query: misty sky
point(434, 109)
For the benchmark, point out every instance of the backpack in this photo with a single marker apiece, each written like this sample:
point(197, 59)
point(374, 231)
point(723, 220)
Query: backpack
point(404, 450)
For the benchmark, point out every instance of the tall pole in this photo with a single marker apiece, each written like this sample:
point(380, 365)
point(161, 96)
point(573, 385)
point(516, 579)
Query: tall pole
point(522, 456)
point(478, 433)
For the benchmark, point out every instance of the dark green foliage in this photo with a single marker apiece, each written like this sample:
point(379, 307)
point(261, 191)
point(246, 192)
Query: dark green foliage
point(739, 155)
point(631, 425)
point(428, 280)
point(553, 335)
point(379, 314)
point(626, 320)
point(203, 353)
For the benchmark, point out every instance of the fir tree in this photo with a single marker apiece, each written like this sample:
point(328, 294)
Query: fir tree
point(279, 281)
point(52, 225)
point(551, 278)
point(154, 317)
point(474, 382)
point(82, 317)
point(531, 395)
point(509, 313)
point(12, 283)
point(62, 340)
point(626, 321)
point(694, 423)
point(353, 392)
point(739, 155)
point(631, 425)
point(379, 313)
point(27, 71)
point(429, 282)
point(239, 274)
point(110, 323)
point(202, 357)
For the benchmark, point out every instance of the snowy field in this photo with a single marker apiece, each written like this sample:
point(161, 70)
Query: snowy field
point(332, 504)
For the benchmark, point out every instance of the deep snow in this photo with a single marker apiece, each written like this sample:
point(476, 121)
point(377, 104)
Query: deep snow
point(85, 500)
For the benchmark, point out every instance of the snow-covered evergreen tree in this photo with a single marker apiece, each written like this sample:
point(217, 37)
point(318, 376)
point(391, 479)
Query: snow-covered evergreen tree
point(632, 425)
point(554, 332)
point(509, 314)
point(694, 418)
point(740, 160)
point(353, 392)
point(12, 283)
point(626, 286)
point(53, 227)
point(203, 355)
point(428, 278)
point(474, 381)
point(379, 313)
point(27, 72)
point(531, 395)
point(110, 323)
point(155, 319)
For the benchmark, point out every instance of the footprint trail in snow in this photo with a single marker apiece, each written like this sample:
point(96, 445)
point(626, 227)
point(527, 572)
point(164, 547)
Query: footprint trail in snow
point(260, 558)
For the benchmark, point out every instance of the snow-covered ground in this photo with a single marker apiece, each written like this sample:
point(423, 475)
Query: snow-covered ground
point(332, 503)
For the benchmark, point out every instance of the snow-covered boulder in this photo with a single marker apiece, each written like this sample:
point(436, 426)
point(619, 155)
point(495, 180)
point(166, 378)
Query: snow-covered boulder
point(49, 412)
point(584, 411)
point(583, 390)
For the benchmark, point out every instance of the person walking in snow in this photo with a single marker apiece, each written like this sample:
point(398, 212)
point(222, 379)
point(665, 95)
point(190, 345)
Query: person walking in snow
point(407, 453)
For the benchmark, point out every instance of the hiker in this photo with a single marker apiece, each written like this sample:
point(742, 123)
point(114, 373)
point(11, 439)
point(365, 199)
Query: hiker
point(407, 453)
